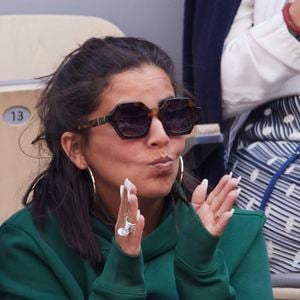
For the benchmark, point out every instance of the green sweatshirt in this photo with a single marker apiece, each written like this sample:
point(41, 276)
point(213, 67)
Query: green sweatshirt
point(179, 260)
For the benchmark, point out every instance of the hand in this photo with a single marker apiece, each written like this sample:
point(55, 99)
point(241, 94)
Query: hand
point(295, 13)
point(215, 210)
point(131, 243)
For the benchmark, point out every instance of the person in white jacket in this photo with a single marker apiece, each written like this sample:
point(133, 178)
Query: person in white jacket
point(260, 81)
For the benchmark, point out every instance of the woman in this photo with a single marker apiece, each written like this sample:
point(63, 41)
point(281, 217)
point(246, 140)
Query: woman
point(249, 60)
point(266, 149)
point(108, 218)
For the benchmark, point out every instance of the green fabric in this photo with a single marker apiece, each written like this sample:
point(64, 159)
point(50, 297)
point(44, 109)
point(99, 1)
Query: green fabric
point(179, 260)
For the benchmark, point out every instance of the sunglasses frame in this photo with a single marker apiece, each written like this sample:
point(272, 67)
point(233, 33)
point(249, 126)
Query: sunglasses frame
point(151, 112)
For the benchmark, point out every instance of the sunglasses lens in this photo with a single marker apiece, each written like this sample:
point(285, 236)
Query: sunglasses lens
point(131, 120)
point(177, 116)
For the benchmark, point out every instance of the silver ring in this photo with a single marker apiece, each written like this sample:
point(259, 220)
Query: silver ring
point(128, 228)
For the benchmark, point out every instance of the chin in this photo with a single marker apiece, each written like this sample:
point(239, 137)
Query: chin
point(158, 189)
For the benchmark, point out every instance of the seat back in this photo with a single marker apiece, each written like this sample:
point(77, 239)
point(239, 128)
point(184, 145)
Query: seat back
point(286, 286)
point(18, 160)
point(31, 46)
point(281, 293)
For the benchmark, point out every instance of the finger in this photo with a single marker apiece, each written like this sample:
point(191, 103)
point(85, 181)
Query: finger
point(131, 243)
point(199, 194)
point(229, 202)
point(125, 191)
point(221, 224)
point(219, 199)
point(132, 213)
point(221, 184)
point(130, 186)
point(135, 237)
point(122, 209)
point(132, 201)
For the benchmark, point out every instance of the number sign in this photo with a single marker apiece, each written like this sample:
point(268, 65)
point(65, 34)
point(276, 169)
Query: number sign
point(16, 115)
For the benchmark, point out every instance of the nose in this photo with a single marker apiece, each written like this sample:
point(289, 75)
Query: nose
point(157, 135)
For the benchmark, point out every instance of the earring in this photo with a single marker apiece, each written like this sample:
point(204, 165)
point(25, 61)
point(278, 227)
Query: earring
point(93, 179)
point(181, 169)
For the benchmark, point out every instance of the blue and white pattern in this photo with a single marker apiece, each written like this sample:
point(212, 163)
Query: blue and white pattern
point(269, 138)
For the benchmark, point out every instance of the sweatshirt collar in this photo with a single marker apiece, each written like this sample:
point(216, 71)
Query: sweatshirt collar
point(162, 239)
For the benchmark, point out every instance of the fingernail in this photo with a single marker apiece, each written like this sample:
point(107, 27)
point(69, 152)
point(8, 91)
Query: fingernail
point(238, 191)
point(230, 175)
point(138, 213)
point(121, 191)
point(231, 212)
point(204, 183)
point(238, 180)
point(128, 196)
point(128, 187)
point(128, 184)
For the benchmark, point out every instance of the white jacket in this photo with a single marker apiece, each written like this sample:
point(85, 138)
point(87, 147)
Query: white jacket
point(260, 60)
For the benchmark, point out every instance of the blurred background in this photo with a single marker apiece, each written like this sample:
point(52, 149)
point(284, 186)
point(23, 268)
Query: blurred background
point(160, 21)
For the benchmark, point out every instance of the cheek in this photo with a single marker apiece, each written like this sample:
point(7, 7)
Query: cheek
point(104, 151)
point(178, 144)
point(110, 158)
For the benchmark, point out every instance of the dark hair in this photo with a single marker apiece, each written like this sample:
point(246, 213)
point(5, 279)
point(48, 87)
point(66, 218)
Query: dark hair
point(72, 93)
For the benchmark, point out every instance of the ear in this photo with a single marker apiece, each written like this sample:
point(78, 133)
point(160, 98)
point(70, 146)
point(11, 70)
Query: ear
point(72, 145)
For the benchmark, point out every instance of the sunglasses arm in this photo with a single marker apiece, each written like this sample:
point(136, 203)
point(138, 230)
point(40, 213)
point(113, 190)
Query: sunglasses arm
point(102, 120)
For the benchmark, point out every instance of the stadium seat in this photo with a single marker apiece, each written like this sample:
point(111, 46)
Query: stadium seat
point(32, 46)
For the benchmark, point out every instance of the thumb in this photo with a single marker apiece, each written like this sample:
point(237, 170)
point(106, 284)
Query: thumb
point(199, 194)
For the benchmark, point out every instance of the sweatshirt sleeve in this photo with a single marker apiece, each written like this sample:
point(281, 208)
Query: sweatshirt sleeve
point(24, 270)
point(254, 265)
point(200, 268)
point(122, 277)
point(259, 63)
point(31, 270)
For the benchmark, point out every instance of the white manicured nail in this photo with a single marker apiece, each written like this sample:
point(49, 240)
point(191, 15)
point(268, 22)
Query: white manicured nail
point(121, 191)
point(230, 175)
point(238, 180)
point(204, 183)
point(128, 196)
point(128, 184)
point(138, 213)
point(231, 212)
point(238, 192)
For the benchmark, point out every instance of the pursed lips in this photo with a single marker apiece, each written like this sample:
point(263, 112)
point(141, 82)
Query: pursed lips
point(162, 162)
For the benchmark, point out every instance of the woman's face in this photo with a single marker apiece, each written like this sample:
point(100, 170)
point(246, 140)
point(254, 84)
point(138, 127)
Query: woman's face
point(150, 162)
